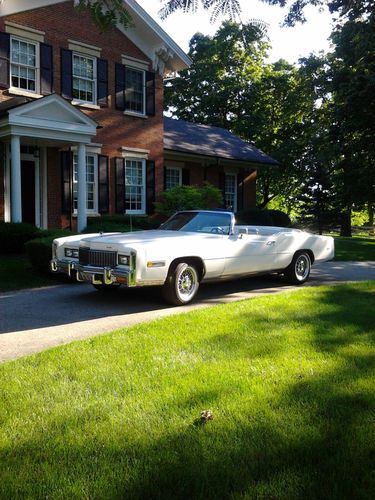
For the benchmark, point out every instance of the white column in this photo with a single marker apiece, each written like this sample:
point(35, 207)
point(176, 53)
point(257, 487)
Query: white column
point(7, 214)
point(37, 194)
point(81, 208)
point(44, 186)
point(16, 196)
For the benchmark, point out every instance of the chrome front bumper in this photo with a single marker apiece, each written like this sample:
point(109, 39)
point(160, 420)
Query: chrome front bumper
point(95, 275)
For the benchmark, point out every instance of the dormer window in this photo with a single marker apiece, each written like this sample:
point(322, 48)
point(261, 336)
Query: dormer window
point(84, 79)
point(24, 65)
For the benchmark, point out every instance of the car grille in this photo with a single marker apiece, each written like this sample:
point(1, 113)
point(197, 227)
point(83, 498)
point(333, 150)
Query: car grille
point(97, 258)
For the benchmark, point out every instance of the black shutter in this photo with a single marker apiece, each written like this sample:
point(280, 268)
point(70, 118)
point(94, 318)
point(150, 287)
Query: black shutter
point(46, 69)
point(103, 184)
point(185, 176)
point(102, 77)
point(222, 186)
point(240, 191)
point(150, 93)
point(67, 171)
point(150, 186)
point(165, 179)
point(120, 86)
point(120, 185)
point(4, 60)
point(66, 74)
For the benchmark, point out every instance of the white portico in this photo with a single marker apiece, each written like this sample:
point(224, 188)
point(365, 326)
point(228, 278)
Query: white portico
point(27, 129)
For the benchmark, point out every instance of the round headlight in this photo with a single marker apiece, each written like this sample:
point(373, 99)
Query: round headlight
point(68, 252)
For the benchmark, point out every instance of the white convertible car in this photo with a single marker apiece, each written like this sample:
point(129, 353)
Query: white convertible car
point(192, 246)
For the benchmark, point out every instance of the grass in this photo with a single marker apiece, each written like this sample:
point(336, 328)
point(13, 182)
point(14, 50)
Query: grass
point(16, 273)
point(358, 249)
point(290, 380)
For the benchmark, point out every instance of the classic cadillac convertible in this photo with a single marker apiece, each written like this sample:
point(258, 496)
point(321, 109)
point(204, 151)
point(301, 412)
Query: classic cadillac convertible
point(190, 247)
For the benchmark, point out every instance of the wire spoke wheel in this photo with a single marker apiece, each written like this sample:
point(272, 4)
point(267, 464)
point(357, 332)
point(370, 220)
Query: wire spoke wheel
point(299, 269)
point(182, 284)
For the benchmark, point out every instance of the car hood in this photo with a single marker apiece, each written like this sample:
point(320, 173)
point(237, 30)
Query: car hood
point(142, 238)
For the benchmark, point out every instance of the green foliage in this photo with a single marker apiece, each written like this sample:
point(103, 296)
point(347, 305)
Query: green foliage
point(13, 236)
point(39, 250)
point(188, 198)
point(289, 379)
point(259, 217)
point(120, 223)
point(16, 273)
point(107, 13)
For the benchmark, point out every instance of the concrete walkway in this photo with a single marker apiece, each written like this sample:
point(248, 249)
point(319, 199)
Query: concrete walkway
point(34, 320)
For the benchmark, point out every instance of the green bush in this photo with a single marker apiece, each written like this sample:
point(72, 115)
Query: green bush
point(39, 250)
point(122, 223)
point(188, 198)
point(14, 235)
point(279, 218)
point(257, 216)
point(254, 216)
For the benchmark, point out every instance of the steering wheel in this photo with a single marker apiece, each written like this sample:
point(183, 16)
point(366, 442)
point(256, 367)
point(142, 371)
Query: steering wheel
point(217, 230)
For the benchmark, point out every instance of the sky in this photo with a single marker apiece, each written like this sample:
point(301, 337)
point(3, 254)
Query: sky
point(287, 43)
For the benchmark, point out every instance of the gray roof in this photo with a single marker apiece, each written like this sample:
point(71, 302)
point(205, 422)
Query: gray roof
point(193, 138)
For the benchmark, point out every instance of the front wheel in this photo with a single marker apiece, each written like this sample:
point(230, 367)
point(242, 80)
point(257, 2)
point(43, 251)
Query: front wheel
point(298, 270)
point(181, 285)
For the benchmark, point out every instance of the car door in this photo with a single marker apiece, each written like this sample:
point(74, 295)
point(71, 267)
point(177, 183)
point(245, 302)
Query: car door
point(250, 253)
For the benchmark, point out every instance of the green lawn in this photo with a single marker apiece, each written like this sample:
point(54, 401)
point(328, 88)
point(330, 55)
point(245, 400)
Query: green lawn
point(290, 380)
point(16, 273)
point(354, 248)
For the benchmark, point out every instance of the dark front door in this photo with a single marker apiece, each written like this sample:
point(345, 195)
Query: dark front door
point(28, 191)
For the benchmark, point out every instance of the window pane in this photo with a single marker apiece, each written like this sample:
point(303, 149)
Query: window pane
point(90, 183)
point(134, 185)
point(23, 68)
point(134, 90)
point(84, 78)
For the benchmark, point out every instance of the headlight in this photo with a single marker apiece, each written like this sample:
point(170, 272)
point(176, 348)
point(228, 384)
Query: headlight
point(123, 260)
point(54, 250)
point(72, 253)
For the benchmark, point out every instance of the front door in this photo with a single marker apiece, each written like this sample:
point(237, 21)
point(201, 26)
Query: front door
point(28, 191)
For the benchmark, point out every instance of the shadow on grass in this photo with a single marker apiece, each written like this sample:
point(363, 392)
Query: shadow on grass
point(312, 437)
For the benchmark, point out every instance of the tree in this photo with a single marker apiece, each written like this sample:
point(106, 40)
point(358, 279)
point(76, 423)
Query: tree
point(107, 13)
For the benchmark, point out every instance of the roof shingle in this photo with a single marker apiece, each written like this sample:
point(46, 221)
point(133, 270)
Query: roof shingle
point(193, 138)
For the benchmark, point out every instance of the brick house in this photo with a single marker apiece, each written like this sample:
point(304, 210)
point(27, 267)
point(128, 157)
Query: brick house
point(81, 120)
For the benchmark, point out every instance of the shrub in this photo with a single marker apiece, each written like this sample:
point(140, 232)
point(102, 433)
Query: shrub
point(13, 236)
point(280, 218)
point(114, 223)
point(257, 216)
point(254, 216)
point(39, 250)
point(188, 198)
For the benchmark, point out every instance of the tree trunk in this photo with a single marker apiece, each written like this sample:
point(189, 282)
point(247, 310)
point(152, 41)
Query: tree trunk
point(371, 218)
point(346, 223)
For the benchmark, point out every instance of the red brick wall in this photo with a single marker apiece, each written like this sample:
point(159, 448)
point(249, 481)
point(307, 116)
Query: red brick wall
point(62, 22)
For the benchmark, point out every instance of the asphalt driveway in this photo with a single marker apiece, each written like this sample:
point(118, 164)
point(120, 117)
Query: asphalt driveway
point(33, 320)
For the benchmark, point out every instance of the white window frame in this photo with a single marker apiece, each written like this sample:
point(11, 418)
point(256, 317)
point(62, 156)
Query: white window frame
point(19, 90)
point(94, 79)
point(92, 211)
point(179, 170)
point(234, 176)
point(142, 210)
point(140, 70)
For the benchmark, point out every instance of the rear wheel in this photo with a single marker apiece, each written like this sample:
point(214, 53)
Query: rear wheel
point(298, 270)
point(181, 285)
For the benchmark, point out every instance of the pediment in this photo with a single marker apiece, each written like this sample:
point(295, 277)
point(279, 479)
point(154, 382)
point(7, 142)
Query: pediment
point(53, 108)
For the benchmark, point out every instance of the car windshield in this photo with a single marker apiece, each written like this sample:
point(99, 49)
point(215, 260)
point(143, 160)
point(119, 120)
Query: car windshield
point(199, 222)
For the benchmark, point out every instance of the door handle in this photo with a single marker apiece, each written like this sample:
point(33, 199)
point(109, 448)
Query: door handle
point(271, 242)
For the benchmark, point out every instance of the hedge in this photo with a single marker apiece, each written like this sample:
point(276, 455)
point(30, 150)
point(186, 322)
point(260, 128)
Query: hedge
point(39, 250)
point(14, 235)
point(256, 216)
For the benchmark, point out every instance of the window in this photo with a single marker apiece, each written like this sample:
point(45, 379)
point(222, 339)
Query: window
point(84, 81)
point(230, 192)
point(91, 183)
point(135, 186)
point(173, 177)
point(135, 90)
point(24, 65)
